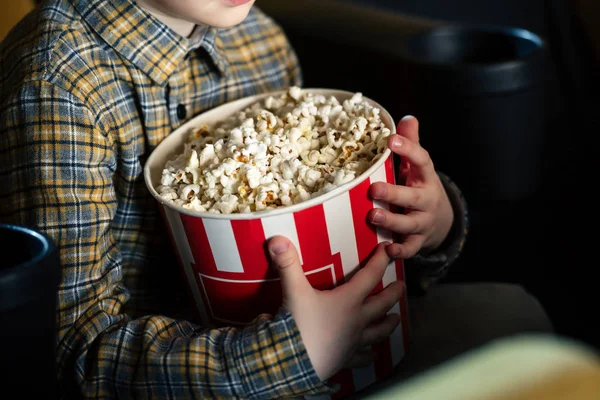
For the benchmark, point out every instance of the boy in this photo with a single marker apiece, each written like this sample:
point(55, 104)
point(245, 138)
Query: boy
point(89, 88)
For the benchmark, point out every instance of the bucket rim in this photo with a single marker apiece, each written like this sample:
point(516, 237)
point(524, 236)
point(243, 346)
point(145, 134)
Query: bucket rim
point(321, 199)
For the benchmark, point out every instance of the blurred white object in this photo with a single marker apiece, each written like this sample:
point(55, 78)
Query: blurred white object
point(526, 367)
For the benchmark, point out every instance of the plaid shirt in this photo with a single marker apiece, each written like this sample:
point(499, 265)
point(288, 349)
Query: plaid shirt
point(87, 89)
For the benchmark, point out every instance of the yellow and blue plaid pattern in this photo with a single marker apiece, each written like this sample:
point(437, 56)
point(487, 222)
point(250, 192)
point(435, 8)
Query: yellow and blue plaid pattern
point(87, 89)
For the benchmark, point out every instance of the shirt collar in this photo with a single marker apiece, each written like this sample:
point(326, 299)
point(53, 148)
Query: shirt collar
point(208, 39)
point(145, 41)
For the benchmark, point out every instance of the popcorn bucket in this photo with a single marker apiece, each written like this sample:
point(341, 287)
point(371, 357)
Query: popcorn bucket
point(223, 255)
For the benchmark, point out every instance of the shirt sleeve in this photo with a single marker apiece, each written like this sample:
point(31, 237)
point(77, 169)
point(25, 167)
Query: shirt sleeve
point(57, 170)
point(422, 271)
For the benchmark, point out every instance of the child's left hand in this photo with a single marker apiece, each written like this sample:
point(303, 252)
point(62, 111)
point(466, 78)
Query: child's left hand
point(428, 214)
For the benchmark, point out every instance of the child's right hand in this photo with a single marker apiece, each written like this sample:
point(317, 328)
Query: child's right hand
point(337, 325)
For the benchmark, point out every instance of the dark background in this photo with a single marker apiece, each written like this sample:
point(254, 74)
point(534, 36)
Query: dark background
point(525, 14)
point(545, 241)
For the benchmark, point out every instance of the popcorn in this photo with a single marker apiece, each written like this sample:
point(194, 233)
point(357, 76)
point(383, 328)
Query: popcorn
point(282, 151)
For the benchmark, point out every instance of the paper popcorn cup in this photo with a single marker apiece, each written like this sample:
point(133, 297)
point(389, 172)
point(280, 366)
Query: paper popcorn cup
point(224, 259)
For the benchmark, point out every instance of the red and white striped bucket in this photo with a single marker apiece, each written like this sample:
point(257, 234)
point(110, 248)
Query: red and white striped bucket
point(224, 258)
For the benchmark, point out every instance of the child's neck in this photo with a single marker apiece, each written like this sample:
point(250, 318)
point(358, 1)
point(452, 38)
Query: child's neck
point(183, 28)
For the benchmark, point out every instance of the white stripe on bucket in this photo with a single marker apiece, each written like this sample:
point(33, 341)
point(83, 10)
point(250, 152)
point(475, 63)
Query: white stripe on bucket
point(383, 235)
point(223, 245)
point(283, 225)
point(185, 252)
point(340, 228)
point(389, 275)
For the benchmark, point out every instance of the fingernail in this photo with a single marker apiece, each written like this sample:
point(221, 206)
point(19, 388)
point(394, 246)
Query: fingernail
point(378, 217)
point(279, 248)
point(406, 117)
point(396, 143)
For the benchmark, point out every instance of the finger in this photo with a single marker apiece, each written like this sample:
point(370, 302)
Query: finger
point(378, 305)
point(408, 127)
point(361, 359)
point(414, 198)
point(380, 331)
point(404, 224)
point(418, 158)
point(365, 280)
point(287, 263)
point(408, 248)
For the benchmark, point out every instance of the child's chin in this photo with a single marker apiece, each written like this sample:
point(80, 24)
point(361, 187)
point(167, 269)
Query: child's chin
point(228, 19)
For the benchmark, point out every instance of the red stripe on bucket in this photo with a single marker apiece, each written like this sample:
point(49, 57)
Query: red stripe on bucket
point(366, 236)
point(200, 248)
point(250, 241)
point(313, 238)
point(403, 306)
point(199, 244)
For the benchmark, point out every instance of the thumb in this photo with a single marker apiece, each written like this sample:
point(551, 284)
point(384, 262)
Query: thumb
point(287, 263)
